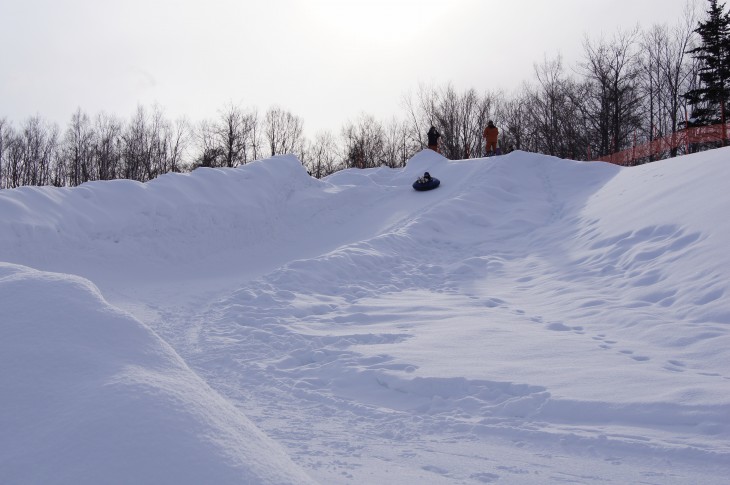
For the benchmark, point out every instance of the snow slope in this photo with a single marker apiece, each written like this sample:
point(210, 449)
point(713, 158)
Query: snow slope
point(533, 320)
point(90, 395)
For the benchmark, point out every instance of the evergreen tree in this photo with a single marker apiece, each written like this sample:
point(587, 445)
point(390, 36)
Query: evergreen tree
point(709, 100)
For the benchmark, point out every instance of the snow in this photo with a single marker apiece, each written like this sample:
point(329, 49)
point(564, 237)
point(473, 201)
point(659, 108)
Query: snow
point(532, 320)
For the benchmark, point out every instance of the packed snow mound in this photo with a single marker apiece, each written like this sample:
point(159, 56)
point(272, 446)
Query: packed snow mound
point(172, 219)
point(90, 395)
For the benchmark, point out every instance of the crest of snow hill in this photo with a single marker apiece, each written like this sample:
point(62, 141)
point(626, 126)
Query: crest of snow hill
point(92, 395)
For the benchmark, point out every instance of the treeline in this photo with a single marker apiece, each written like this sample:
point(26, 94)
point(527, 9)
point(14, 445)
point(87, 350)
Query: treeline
point(635, 87)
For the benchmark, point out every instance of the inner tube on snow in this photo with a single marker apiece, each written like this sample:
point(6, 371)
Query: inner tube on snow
point(431, 184)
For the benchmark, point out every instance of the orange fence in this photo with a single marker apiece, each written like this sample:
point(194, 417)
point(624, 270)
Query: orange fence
point(686, 141)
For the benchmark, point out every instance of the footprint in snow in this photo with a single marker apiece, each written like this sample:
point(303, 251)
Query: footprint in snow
point(638, 358)
point(561, 327)
point(435, 469)
point(674, 366)
point(485, 477)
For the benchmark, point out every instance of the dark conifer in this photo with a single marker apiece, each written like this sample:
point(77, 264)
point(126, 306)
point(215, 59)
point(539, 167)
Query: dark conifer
point(709, 100)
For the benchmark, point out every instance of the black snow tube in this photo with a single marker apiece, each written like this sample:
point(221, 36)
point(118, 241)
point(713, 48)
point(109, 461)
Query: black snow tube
point(431, 184)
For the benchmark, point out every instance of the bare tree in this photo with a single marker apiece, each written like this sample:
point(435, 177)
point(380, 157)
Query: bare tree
point(177, 137)
point(283, 131)
point(398, 145)
point(513, 115)
point(78, 151)
point(108, 147)
point(157, 154)
point(420, 113)
point(5, 139)
point(472, 116)
point(363, 143)
point(14, 158)
point(448, 117)
point(322, 156)
point(37, 144)
point(235, 133)
point(653, 43)
point(610, 94)
point(230, 141)
point(136, 146)
point(553, 114)
point(677, 68)
point(210, 153)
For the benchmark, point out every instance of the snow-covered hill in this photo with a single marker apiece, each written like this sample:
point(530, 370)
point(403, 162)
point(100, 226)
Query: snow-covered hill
point(532, 320)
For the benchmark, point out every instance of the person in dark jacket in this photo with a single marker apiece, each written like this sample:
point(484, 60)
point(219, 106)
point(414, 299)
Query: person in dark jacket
point(433, 139)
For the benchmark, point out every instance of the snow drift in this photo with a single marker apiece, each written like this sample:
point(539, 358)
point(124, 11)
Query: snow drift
point(90, 395)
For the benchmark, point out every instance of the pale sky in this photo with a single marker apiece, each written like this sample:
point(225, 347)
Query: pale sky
point(326, 61)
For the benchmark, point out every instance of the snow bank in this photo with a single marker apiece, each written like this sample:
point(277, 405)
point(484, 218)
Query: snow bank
point(173, 221)
point(90, 395)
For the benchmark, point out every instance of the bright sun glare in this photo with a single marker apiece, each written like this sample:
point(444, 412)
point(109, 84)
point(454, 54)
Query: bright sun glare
point(372, 21)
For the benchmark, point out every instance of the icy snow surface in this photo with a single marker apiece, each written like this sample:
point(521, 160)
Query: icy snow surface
point(533, 320)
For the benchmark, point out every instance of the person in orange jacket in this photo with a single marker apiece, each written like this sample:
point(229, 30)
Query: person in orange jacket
point(491, 135)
